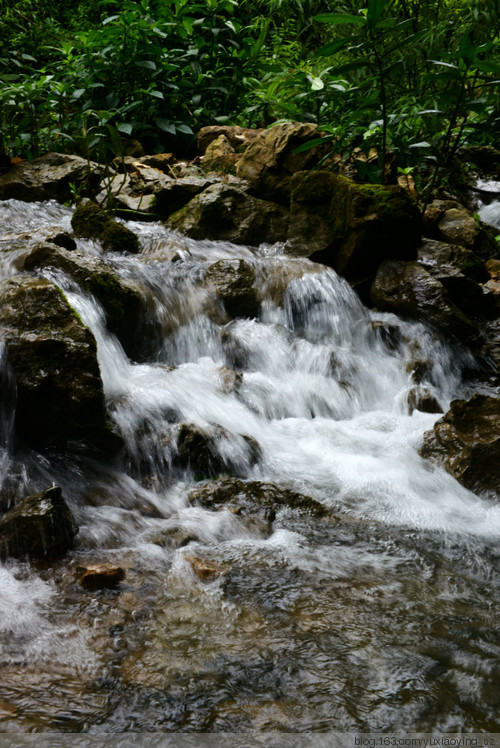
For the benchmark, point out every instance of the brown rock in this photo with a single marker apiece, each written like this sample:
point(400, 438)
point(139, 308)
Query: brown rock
point(238, 137)
point(466, 441)
point(100, 576)
point(269, 162)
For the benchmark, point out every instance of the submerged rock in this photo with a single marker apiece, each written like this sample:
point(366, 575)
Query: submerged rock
point(251, 497)
point(407, 289)
point(41, 526)
point(54, 176)
point(351, 227)
point(53, 357)
point(100, 576)
point(92, 222)
point(466, 441)
point(227, 213)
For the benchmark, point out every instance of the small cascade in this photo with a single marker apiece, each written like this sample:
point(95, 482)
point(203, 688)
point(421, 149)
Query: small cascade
point(235, 614)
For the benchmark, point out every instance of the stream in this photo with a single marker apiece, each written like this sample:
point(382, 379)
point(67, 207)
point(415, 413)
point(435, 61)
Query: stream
point(380, 615)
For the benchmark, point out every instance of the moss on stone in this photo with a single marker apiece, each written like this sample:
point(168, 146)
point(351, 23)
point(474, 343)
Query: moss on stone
point(92, 222)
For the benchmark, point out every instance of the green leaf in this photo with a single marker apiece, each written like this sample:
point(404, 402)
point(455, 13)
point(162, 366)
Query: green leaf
point(165, 125)
point(375, 10)
point(330, 49)
point(340, 19)
point(467, 49)
point(125, 127)
point(149, 64)
point(488, 67)
point(184, 129)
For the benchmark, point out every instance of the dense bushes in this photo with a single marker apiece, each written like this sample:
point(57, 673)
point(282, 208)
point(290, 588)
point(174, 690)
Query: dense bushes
point(420, 77)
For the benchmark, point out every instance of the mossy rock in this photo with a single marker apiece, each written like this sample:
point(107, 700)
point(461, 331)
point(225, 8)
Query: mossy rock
point(351, 227)
point(92, 222)
point(122, 301)
point(53, 357)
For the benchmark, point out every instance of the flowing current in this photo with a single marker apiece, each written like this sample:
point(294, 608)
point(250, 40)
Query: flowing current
point(380, 615)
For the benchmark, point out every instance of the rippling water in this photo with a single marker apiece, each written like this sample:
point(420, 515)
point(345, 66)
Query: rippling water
point(381, 615)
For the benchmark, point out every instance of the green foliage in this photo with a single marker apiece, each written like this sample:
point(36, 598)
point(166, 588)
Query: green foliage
point(415, 77)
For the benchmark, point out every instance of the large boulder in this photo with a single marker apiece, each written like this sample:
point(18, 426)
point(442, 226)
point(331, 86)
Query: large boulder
point(122, 300)
point(92, 222)
point(239, 138)
point(466, 441)
point(40, 526)
point(407, 289)
point(349, 226)
point(55, 176)
point(459, 270)
point(270, 160)
point(53, 357)
point(227, 213)
point(233, 281)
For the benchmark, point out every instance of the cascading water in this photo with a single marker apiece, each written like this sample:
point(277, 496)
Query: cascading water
point(379, 615)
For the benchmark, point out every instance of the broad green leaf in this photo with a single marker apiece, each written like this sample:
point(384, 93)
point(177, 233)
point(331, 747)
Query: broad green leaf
point(340, 19)
point(331, 48)
point(165, 125)
point(149, 64)
point(125, 127)
point(467, 49)
point(184, 129)
point(375, 10)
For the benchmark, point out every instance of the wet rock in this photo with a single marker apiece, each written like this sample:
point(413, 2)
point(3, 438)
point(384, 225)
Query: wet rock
point(239, 138)
point(434, 255)
point(407, 289)
point(230, 380)
point(419, 398)
point(209, 452)
point(54, 176)
point(63, 240)
point(92, 222)
point(237, 354)
point(173, 538)
point(466, 441)
point(351, 227)
point(40, 526)
point(234, 283)
point(227, 213)
point(269, 162)
point(252, 497)
point(464, 290)
point(100, 576)
point(205, 570)
point(448, 221)
point(53, 356)
point(123, 302)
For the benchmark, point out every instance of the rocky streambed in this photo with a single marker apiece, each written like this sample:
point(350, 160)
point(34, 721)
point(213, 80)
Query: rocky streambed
point(234, 498)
